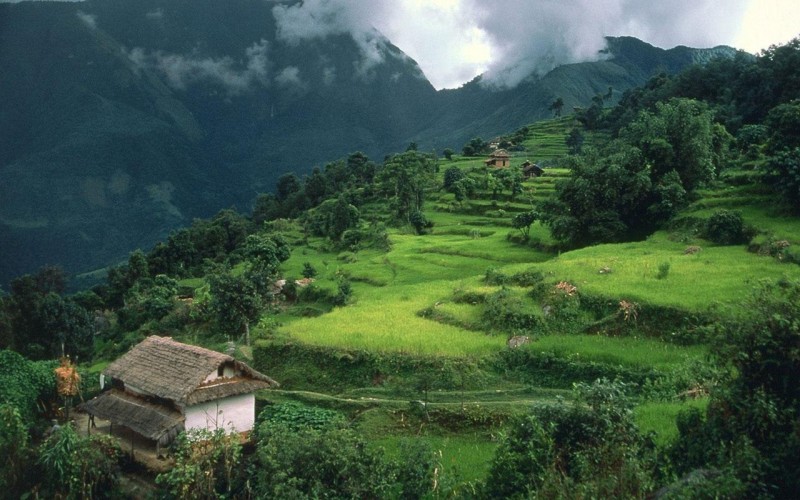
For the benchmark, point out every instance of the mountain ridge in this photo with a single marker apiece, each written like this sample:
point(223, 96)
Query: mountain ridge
point(125, 120)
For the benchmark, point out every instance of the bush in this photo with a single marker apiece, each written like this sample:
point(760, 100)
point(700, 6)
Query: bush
point(297, 416)
point(207, 465)
point(726, 227)
point(80, 467)
point(588, 449)
point(663, 270)
point(335, 463)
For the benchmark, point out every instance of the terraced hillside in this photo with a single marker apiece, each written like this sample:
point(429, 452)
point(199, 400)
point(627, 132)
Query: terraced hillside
point(430, 319)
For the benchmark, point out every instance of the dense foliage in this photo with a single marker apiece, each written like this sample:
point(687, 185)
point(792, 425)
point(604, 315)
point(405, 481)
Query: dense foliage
point(220, 278)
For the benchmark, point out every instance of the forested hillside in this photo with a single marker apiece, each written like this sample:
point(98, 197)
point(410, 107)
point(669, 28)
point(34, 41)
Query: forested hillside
point(124, 120)
point(620, 322)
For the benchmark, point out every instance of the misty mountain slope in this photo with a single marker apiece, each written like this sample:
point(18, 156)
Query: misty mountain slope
point(123, 120)
point(478, 110)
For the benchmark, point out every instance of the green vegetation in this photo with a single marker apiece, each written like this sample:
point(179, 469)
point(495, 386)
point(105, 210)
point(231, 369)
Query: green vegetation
point(624, 322)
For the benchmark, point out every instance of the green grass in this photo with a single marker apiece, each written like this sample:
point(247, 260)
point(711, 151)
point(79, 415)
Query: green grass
point(463, 457)
point(659, 418)
point(716, 275)
point(624, 351)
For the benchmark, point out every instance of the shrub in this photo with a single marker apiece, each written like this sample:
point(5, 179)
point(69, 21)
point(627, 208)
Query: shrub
point(80, 467)
point(589, 449)
point(207, 465)
point(663, 270)
point(726, 227)
point(297, 416)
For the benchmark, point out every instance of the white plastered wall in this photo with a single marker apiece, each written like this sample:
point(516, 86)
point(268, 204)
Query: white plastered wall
point(235, 413)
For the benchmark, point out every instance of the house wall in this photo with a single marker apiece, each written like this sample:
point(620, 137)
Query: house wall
point(237, 412)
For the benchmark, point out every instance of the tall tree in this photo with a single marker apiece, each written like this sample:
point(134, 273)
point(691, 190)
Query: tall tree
point(404, 179)
point(557, 106)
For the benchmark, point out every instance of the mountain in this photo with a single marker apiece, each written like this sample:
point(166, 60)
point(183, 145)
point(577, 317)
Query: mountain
point(123, 120)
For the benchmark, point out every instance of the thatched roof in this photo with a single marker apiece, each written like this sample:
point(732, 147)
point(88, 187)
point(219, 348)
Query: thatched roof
point(162, 367)
point(500, 153)
point(148, 419)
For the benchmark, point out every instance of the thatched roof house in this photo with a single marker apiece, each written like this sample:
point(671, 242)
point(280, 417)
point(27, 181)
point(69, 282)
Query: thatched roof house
point(531, 170)
point(162, 387)
point(499, 158)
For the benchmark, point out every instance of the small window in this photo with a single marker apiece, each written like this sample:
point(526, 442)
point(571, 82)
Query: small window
point(220, 370)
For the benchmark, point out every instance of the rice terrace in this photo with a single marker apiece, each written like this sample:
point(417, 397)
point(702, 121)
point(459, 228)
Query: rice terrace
point(593, 292)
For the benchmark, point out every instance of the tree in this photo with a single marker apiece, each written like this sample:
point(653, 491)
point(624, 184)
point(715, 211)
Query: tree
point(557, 106)
point(236, 303)
point(419, 222)
point(749, 430)
point(448, 153)
point(404, 179)
point(315, 187)
point(523, 222)
point(574, 141)
point(474, 147)
point(679, 136)
point(603, 200)
point(451, 176)
point(287, 185)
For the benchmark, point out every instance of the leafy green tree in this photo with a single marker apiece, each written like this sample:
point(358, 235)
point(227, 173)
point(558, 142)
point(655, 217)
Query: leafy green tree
point(451, 176)
point(69, 326)
point(420, 222)
point(783, 146)
point(783, 173)
point(287, 185)
point(315, 187)
point(679, 136)
point(523, 222)
point(603, 200)
point(557, 106)
point(148, 300)
point(574, 141)
point(332, 218)
point(726, 227)
point(448, 153)
point(236, 303)
point(362, 170)
point(404, 179)
point(749, 430)
point(476, 146)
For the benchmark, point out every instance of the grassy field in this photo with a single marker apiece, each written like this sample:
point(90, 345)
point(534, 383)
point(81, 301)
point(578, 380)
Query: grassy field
point(404, 303)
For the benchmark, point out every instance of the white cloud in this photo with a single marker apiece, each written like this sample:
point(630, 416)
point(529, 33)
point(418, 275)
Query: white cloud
point(89, 20)
point(318, 19)
point(455, 40)
point(289, 77)
point(181, 71)
point(155, 14)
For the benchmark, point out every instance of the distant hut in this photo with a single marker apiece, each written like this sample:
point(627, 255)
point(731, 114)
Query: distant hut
point(531, 170)
point(162, 387)
point(499, 159)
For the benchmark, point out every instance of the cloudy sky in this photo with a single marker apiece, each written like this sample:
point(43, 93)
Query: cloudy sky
point(455, 40)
